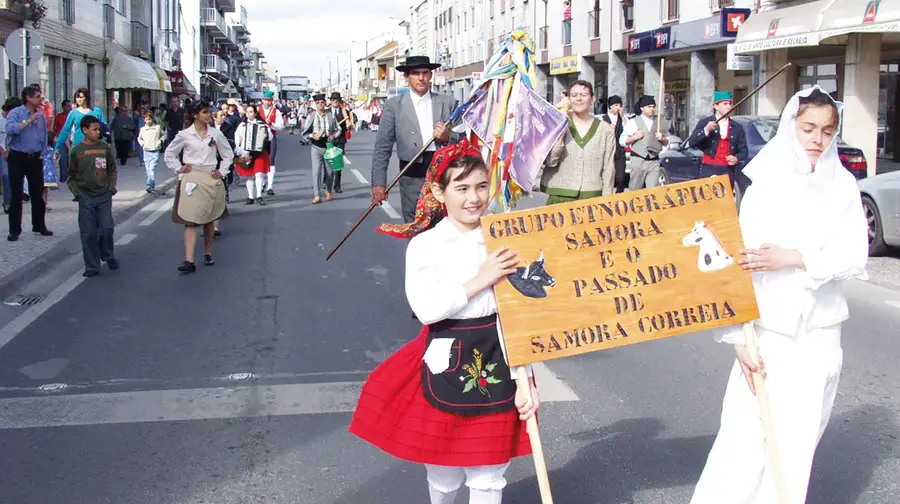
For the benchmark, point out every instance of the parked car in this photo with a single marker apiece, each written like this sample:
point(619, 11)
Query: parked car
point(881, 202)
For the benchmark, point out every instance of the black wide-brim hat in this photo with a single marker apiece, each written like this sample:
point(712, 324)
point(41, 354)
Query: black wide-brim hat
point(336, 96)
point(318, 97)
point(414, 62)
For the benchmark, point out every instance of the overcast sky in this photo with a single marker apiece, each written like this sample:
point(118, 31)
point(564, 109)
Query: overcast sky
point(298, 36)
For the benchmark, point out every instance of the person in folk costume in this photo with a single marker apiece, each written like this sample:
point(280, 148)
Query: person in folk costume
point(722, 153)
point(646, 142)
point(255, 164)
point(615, 117)
point(269, 113)
point(799, 251)
point(321, 128)
point(202, 157)
point(448, 398)
point(344, 119)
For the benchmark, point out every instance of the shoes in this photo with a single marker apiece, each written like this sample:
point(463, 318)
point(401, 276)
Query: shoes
point(6, 209)
point(317, 200)
point(329, 196)
point(217, 233)
point(43, 232)
point(12, 237)
point(149, 191)
point(270, 192)
point(26, 198)
point(113, 264)
point(261, 201)
point(338, 190)
point(90, 273)
point(187, 267)
point(208, 260)
point(250, 201)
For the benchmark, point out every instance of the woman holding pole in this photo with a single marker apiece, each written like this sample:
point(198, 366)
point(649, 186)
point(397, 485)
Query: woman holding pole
point(448, 399)
point(805, 231)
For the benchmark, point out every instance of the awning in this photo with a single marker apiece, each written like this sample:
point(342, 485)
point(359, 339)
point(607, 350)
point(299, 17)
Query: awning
point(854, 16)
point(812, 23)
point(164, 83)
point(180, 83)
point(128, 72)
point(781, 28)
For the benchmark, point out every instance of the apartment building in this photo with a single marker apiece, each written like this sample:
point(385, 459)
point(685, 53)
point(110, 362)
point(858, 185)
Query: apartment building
point(219, 49)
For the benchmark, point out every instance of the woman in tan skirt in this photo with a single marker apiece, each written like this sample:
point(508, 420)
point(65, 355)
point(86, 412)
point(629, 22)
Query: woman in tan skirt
point(200, 198)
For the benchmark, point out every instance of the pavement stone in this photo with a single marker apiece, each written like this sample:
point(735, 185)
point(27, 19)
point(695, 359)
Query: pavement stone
point(21, 260)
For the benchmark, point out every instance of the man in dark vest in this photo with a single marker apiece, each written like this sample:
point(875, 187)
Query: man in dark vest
point(646, 140)
point(724, 143)
point(614, 117)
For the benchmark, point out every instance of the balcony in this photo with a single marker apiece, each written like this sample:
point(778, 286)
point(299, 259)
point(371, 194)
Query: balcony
point(214, 22)
point(239, 25)
point(214, 65)
point(109, 21)
point(140, 39)
point(543, 38)
point(567, 32)
point(140, 12)
point(171, 39)
point(593, 18)
point(225, 5)
point(245, 81)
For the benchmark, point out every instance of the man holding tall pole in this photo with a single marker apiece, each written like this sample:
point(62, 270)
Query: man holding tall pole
point(644, 134)
point(411, 120)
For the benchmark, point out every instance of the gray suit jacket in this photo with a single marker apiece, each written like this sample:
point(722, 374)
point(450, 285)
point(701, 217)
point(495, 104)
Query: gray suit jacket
point(400, 125)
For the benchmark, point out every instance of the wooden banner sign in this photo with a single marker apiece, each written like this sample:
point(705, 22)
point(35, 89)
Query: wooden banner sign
point(617, 270)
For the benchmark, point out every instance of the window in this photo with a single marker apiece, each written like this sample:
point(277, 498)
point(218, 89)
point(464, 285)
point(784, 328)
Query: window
point(473, 17)
point(825, 75)
point(67, 11)
point(669, 10)
point(53, 79)
point(120, 6)
point(626, 22)
point(90, 81)
point(715, 5)
point(67, 79)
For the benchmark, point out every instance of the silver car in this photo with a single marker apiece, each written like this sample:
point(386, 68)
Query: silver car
point(881, 202)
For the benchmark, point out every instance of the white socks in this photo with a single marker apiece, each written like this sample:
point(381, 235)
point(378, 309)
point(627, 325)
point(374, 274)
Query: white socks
point(271, 176)
point(257, 184)
point(485, 496)
point(438, 497)
point(250, 188)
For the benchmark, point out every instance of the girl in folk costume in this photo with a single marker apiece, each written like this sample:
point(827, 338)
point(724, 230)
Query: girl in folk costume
point(200, 196)
point(448, 399)
point(256, 162)
point(269, 113)
point(799, 251)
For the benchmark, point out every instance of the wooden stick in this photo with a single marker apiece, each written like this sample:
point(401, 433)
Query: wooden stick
point(537, 450)
point(738, 104)
point(765, 415)
point(386, 190)
point(662, 96)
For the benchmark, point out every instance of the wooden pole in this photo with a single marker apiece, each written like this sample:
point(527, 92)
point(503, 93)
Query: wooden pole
point(534, 435)
point(765, 415)
point(662, 96)
point(750, 95)
point(373, 205)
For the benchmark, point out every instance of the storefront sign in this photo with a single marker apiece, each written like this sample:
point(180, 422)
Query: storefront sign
point(736, 61)
point(606, 272)
point(565, 65)
point(731, 21)
point(672, 86)
point(650, 41)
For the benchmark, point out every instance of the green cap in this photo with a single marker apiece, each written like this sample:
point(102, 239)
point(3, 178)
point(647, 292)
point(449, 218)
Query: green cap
point(720, 96)
point(269, 95)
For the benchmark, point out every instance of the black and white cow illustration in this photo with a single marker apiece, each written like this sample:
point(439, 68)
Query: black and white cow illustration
point(532, 279)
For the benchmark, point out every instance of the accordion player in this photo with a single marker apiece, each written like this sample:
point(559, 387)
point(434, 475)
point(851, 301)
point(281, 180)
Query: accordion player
point(256, 137)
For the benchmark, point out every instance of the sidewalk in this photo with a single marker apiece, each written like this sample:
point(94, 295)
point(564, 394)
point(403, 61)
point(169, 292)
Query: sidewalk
point(22, 261)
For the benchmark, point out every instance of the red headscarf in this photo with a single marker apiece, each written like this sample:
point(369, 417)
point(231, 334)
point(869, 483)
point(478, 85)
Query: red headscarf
point(428, 209)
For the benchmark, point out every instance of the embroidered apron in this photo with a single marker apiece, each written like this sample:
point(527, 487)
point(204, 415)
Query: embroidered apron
point(464, 371)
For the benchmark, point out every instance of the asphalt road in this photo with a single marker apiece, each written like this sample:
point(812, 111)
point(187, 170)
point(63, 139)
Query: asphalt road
point(235, 384)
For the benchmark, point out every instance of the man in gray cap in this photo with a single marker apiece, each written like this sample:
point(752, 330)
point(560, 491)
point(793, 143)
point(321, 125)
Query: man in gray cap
point(646, 141)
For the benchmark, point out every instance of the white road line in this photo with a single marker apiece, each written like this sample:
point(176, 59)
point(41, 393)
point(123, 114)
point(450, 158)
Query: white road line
point(346, 160)
point(201, 403)
point(19, 323)
point(550, 385)
point(159, 209)
point(359, 176)
point(893, 304)
point(126, 239)
point(388, 209)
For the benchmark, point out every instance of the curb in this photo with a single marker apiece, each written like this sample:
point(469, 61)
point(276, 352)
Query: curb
point(20, 278)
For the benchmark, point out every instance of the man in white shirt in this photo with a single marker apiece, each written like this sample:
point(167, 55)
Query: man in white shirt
point(410, 120)
point(616, 119)
point(646, 141)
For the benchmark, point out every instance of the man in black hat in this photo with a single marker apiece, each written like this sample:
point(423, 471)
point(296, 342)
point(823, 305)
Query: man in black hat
point(646, 140)
point(321, 128)
point(616, 119)
point(345, 121)
point(410, 120)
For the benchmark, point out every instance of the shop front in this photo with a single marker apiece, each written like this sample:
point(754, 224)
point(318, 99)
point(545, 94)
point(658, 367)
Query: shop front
point(844, 46)
point(697, 63)
point(564, 71)
point(132, 82)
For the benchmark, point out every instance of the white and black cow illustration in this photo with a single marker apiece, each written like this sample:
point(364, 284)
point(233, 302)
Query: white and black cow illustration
point(713, 255)
point(532, 279)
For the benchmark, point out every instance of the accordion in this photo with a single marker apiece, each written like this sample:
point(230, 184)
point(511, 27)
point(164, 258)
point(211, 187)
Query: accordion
point(256, 137)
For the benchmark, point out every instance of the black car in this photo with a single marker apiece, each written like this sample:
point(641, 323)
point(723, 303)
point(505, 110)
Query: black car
point(682, 163)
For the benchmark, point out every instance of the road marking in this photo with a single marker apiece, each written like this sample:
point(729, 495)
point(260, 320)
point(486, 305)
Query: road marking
point(359, 176)
point(158, 210)
point(347, 160)
point(19, 323)
point(206, 403)
point(126, 239)
point(894, 304)
point(388, 209)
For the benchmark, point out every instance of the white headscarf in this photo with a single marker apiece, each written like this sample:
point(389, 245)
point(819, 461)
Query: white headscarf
point(817, 212)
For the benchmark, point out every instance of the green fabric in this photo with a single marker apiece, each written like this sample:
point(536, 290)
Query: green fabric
point(587, 138)
point(92, 169)
point(556, 195)
point(268, 95)
point(722, 96)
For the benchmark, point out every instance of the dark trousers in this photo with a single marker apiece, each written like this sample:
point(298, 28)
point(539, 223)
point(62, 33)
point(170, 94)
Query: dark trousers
point(95, 223)
point(63, 164)
point(24, 165)
point(621, 183)
point(337, 174)
point(709, 170)
point(123, 150)
point(410, 187)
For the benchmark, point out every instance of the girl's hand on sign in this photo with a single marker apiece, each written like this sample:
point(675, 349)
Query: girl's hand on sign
point(748, 367)
point(498, 265)
point(770, 257)
point(527, 406)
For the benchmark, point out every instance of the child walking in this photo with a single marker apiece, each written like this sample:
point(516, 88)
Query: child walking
point(448, 399)
point(92, 179)
point(150, 138)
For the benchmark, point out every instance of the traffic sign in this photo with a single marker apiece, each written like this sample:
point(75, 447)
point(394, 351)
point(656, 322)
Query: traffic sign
point(24, 44)
point(229, 88)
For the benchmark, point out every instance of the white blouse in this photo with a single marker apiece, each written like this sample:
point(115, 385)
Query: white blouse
point(198, 152)
point(438, 264)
